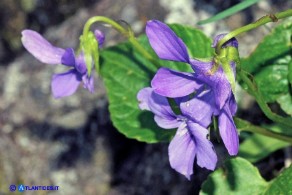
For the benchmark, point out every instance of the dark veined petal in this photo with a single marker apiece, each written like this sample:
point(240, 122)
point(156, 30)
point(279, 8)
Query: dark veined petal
point(191, 141)
point(221, 88)
point(201, 67)
point(65, 84)
point(99, 37)
point(200, 108)
point(205, 153)
point(232, 104)
point(68, 57)
point(228, 130)
point(40, 48)
point(174, 84)
point(164, 116)
point(219, 85)
point(80, 64)
point(166, 44)
point(217, 81)
point(182, 151)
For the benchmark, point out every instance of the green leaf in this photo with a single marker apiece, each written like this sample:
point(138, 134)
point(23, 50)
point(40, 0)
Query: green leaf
point(257, 147)
point(238, 176)
point(125, 72)
point(285, 102)
point(274, 46)
point(270, 63)
point(230, 11)
point(282, 184)
point(272, 82)
point(290, 69)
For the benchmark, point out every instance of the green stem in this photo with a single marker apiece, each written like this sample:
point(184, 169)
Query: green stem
point(243, 125)
point(123, 31)
point(95, 19)
point(260, 100)
point(264, 20)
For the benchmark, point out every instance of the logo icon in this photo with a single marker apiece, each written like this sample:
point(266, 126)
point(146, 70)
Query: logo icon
point(12, 188)
point(21, 188)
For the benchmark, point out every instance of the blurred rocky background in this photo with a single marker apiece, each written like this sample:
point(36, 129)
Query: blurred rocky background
point(71, 142)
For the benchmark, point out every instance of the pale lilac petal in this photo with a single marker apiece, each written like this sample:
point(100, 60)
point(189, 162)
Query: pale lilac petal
point(232, 42)
point(65, 84)
point(182, 151)
point(143, 98)
point(160, 107)
point(167, 122)
point(88, 83)
point(205, 154)
point(228, 131)
point(40, 48)
point(164, 116)
point(174, 84)
point(100, 37)
point(68, 57)
point(165, 42)
point(200, 108)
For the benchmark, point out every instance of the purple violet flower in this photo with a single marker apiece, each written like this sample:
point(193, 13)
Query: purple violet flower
point(190, 140)
point(174, 84)
point(63, 84)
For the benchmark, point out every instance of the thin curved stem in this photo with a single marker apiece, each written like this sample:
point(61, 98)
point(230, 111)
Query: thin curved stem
point(126, 32)
point(263, 105)
point(244, 125)
point(106, 20)
point(264, 20)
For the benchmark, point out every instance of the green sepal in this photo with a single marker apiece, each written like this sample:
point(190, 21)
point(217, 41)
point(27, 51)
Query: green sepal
point(94, 50)
point(227, 56)
point(89, 46)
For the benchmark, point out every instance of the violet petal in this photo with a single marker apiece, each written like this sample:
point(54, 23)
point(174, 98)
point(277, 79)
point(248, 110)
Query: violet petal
point(88, 83)
point(174, 84)
point(232, 105)
point(232, 42)
point(201, 67)
point(40, 48)
point(143, 98)
point(65, 84)
point(221, 88)
point(200, 108)
point(205, 154)
point(228, 131)
point(182, 151)
point(80, 64)
point(166, 122)
point(68, 57)
point(159, 105)
point(165, 42)
point(100, 37)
